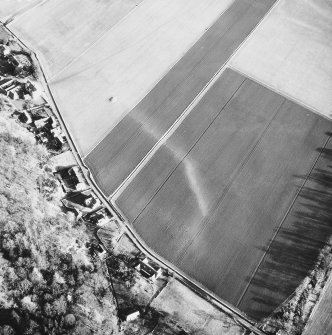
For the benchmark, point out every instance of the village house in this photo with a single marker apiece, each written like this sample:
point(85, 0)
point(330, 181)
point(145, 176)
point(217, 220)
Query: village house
point(25, 117)
point(21, 60)
point(81, 202)
point(47, 122)
point(39, 112)
point(9, 87)
point(100, 251)
point(4, 50)
point(71, 178)
point(49, 133)
point(98, 217)
point(13, 89)
point(5, 82)
point(59, 135)
point(13, 92)
point(149, 269)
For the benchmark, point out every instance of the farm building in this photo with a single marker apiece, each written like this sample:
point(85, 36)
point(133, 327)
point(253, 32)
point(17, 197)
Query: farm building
point(21, 60)
point(148, 269)
point(71, 178)
point(58, 135)
point(11, 88)
point(45, 122)
point(98, 217)
point(25, 117)
point(100, 251)
point(81, 202)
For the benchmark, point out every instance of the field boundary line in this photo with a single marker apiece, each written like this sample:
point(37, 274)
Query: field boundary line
point(282, 221)
point(183, 115)
point(237, 172)
point(157, 82)
point(138, 130)
point(281, 93)
point(100, 37)
point(186, 154)
point(22, 12)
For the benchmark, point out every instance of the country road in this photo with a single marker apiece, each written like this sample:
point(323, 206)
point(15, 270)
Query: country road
point(225, 307)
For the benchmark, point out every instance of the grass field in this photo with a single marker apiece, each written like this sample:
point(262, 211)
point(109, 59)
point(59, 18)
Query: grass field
point(291, 52)
point(212, 197)
point(104, 48)
point(192, 312)
point(126, 145)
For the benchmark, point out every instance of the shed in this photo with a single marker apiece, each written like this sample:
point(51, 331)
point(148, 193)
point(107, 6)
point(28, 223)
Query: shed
point(129, 314)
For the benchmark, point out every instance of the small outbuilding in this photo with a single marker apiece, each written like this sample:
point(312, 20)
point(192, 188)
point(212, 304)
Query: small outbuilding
point(129, 314)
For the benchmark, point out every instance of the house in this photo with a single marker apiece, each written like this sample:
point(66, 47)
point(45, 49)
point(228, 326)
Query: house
point(98, 217)
point(44, 122)
point(81, 202)
point(37, 113)
point(25, 117)
point(100, 251)
point(71, 178)
point(13, 92)
point(30, 87)
point(149, 269)
point(21, 60)
point(59, 135)
point(5, 82)
point(11, 88)
point(4, 50)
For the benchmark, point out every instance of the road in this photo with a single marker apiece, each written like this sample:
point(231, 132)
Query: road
point(225, 307)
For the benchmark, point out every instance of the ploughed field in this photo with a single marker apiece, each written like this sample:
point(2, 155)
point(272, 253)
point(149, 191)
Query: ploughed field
point(93, 50)
point(113, 159)
point(221, 198)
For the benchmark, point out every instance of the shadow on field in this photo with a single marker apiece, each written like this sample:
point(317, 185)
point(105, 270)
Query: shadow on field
point(295, 250)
